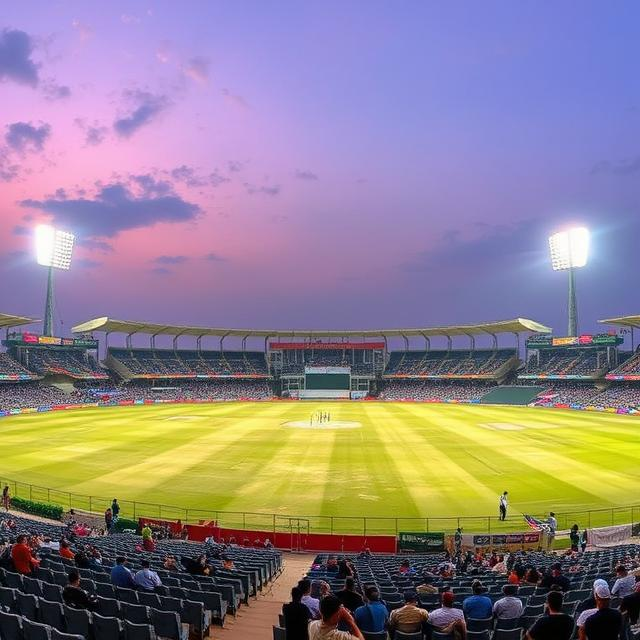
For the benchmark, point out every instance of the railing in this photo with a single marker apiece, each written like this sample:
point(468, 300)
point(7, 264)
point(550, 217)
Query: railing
point(274, 522)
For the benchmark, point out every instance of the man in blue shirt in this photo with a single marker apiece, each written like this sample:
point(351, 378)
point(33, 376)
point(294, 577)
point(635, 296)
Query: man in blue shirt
point(477, 606)
point(121, 576)
point(373, 616)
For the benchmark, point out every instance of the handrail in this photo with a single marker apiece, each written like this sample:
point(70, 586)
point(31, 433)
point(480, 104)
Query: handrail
point(356, 525)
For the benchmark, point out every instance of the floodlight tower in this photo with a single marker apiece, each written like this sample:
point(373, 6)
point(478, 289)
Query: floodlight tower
point(53, 250)
point(570, 251)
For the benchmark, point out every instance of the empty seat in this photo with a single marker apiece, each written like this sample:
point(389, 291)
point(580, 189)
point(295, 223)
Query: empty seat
point(196, 616)
point(279, 633)
point(134, 631)
point(105, 590)
point(106, 628)
point(13, 580)
point(58, 635)
point(52, 613)
point(32, 586)
point(8, 598)
point(108, 607)
point(167, 624)
point(136, 613)
point(10, 626)
point(127, 595)
point(52, 592)
point(35, 630)
point(78, 621)
point(27, 605)
point(507, 634)
point(149, 599)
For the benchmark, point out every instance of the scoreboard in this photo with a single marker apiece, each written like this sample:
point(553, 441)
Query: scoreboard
point(327, 378)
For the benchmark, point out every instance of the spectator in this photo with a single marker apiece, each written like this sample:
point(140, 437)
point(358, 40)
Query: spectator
point(108, 519)
point(603, 624)
point(333, 614)
point(426, 587)
point(23, 561)
point(170, 564)
point(477, 606)
point(115, 510)
point(65, 550)
point(349, 597)
point(555, 578)
point(313, 604)
point(574, 537)
point(146, 532)
point(510, 606)
point(345, 569)
point(532, 576)
point(120, 574)
point(554, 625)
point(296, 616)
point(410, 618)
point(405, 568)
point(583, 541)
point(590, 602)
point(631, 605)
point(6, 497)
point(625, 584)
point(553, 527)
point(500, 566)
point(146, 579)
point(197, 566)
point(448, 619)
point(74, 596)
point(372, 617)
point(601, 592)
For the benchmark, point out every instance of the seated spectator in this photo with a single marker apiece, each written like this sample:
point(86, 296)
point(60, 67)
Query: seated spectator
point(296, 616)
point(604, 623)
point(313, 604)
point(320, 589)
point(170, 564)
point(426, 587)
point(410, 618)
point(590, 602)
point(601, 592)
point(478, 606)
point(120, 574)
point(227, 563)
point(406, 568)
point(332, 564)
point(349, 597)
point(333, 614)
point(532, 576)
point(146, 579)
point(74, 596)
point(448, 619)
point(631, 605)
point(499, 566)
point(554, 624)
point(513, 578)
point(510, 606)
point(373, 616)
point(196, 566)
point(65, 550)
point(625, 584)
point(556, 578)
point(345, 569)
point(23, 561)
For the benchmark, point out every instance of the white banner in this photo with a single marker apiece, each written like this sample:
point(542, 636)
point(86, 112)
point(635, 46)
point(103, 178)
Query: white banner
point(321, 370)
point(609, 535)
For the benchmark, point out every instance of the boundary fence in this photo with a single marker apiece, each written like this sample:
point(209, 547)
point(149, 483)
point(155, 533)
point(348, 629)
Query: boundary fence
point(279, 522)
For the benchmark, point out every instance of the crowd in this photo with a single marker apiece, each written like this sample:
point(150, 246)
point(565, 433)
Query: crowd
point(75, 363)
point(9, 366)
point(566, 362)
point(360, 362)
point(433, 390)
point(540, 596)
point(630, 366)
point(456, 362)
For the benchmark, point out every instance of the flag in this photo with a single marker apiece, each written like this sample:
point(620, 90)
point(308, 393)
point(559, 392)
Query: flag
point(537, 525)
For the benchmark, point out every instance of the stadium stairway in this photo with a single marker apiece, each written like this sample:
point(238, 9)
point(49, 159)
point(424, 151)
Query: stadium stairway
point(256, 622)
point(514, 395)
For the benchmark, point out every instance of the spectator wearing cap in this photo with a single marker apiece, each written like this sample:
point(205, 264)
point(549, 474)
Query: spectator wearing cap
point(509, 606)
point(333, 614)
point(410, 618)
point(448, 619)
point(604, 623)
point(554, 623)
point(555, 578)
point(625, 583)
point(601, 591)
point(478, 606)
point(373, 616)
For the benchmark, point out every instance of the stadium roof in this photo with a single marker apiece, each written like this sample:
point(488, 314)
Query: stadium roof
point(623, 321)
point(109, 325)
point(7, 321)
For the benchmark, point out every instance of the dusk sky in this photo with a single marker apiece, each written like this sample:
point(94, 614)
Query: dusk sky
point(320, 164)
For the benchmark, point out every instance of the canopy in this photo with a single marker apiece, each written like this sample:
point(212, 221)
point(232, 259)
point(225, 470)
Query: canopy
point(110, 325)
point(7, 321)
point(623, 321)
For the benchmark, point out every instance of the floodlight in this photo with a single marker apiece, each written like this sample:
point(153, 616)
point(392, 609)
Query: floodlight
point(54, 247)
point(569, 249)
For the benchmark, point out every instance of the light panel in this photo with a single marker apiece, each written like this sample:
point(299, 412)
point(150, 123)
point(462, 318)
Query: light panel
point(53, 247)
point(569, 249)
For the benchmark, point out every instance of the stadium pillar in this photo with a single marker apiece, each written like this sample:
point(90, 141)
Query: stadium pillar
point(48, 309)
point(573, 307)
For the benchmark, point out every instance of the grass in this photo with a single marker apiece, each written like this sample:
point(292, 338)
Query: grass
point(408, 461)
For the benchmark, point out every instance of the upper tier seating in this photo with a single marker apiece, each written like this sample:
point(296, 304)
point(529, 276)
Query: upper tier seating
point(446, 363)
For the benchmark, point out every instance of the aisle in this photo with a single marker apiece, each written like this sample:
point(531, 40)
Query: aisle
point(255, 622)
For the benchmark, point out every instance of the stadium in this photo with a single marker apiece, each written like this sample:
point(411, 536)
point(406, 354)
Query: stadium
point(290, 342)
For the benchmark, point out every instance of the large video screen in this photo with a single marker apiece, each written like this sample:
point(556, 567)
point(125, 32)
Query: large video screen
point(327, 381)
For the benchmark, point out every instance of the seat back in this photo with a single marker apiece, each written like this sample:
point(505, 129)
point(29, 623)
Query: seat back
point(10, 626)
point(35, 630)
point(78, 621)
point(127, 595)
point(136, 613)
point(51, 613)
point(507, 634)
point(479, 624)
point(52, 592)
point(27, 605)
point(279, 633)
point(166, 624)
point(134, 631)
point(58, 635)
point(108, 607)
point(106, 628)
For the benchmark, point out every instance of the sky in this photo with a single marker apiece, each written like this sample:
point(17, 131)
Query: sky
point(358, 164)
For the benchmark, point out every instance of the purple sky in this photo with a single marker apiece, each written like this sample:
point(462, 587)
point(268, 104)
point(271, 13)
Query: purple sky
point(330, 164)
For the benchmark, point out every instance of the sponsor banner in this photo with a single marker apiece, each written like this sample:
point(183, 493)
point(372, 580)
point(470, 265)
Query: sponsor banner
point(504, 541)
point(609, 535)
point(49, 340)
point(324, 346)
point(447, 376)
point(326, 370)
point(420, 541)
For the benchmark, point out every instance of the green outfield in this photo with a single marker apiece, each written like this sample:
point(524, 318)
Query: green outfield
point(374, 459)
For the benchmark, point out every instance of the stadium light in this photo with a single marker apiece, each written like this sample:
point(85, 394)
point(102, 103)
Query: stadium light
point(569, 251)
point(54, 249)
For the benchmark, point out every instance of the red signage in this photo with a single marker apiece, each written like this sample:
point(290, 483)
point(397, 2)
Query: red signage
point(324, 346)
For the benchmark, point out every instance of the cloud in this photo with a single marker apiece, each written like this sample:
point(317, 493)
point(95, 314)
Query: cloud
point(23, 136)
point(8, 169)
point(94, 134)
point(628, 167)
point(161, 271)
point(234, 99)
point(86, 263)
point(100, 245)
point(16, 64)
point(198, 69)
point(266, 190)
point(166, 260)
point(84, 30)
point(214, 257)
point(53, 91)
point(127, 18)
point(146, 107)
point(190, 177)
point(21, 230)
point(117, 207)
point(305, 175)
point(235, 166)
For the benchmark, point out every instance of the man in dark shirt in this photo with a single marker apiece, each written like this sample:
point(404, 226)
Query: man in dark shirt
point(296, 616)
point(631, 605)
point(348, 596)
point(605, 624)
point(556, 578)
point(555, 625)
point(74, 596)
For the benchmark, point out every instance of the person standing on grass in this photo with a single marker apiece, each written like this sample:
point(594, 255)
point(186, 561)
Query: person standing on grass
point(6, 497)
point(115, 509)
point(574, 536)
point(503, 504)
